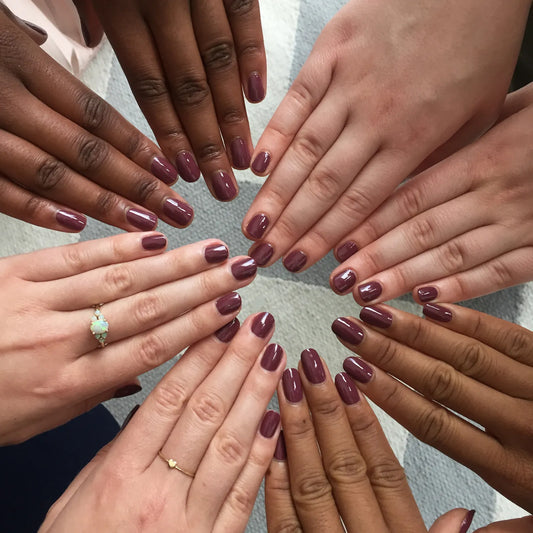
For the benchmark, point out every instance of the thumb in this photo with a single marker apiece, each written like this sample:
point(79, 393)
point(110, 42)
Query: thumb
point(454, 521)
point(518, 525)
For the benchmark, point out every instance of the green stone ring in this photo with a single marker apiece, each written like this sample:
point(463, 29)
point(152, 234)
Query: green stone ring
point(99, 326)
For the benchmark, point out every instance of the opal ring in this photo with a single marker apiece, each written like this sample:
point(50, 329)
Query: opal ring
point(172, 464)
point(99, 326)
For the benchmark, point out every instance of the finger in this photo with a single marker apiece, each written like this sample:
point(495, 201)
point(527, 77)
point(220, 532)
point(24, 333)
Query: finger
point(453, 520)
point(36, 33)
point(517, 525)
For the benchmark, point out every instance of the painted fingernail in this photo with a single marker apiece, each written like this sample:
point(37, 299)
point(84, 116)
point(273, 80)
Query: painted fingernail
point(143, 220)
point(128, 418)
point(358, 369)
point(127, 390)
point(227, 332)
point(244, 268)
point(70, 220)
point(154, 242)
point(216, 253)
point(280, 453)
point(347, 330)
point(262, 253)
point(178, 211)
point(347, 390)
point(240, 155)
point(257, 226)
point(229, 303)
point(292, 385)
point(313, 367)
point(223, 186)
point(163, 170)
point(269, 424)
point(467, 522)
point(36, 28)
point(295, 261)
point(426, 294)
point(187, 166)
point(272, 357)
point(262, 325)
point(437, 312)
point(376, 317)
point(261, 162)
point(343, 281)
point(256, 89)
point(370, 291)
point(346, 250)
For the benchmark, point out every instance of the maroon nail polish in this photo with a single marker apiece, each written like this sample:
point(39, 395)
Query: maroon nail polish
point(346, 250)
point(262, 325)
point(437, 312)
point(313, 367)
point(227, 332)
point(272, 357)
point(280, 453)
point(244, 268)
point(358, 369)
point(36, 28)
point(163, 170)
point(262, 253)
point(426, 294)
point(187, 166)
point(127, 390)
point(142, 220)
point(223, 186)
point(370, 291)
point(154, 242)
point(347, 390)
point(269, 424)
point(292, 385)
point(467, 521)
point(240, 156)
point(343, 281)
point(178, 211)
point(348, 331)
point(261, 162)
point(256, 89)
point(70, 220)
point(376, 317)
point(216, 253)
point(295, 261)
point(128, 418)
point(257, 226)
point(229, 303)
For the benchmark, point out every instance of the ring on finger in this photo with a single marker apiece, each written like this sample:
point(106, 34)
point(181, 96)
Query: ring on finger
point(99, 326)
point(172, 464)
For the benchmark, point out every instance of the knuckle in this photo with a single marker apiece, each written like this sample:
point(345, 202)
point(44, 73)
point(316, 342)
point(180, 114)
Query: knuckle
point(95, 111)
point(50, 174)
point(170, 398)
point(208, 407)
point(329, 408)
point(471, 360)
point(241, 501)
point(219, 57)
point(105, 202)
point(355, 203)
point(232, 116)
point(230, 449)
point(431, 426)
point(34, 206)
point(518, 344)
point(311, 488)
point(151, 350)
point(452, 256)
point(307, 146)
point(145, 189)
point(148, 309)
point(241, 7)
point(325, 184)
point(301, 95)
point(191, 91)
point(287, 228)
point(441, 383)
point(136, 144)
point(410, 200)
point(288, 525)
point(387, 351)
point(500, 274)
point(92, 153)
point(346, 467)
point(250, 49)
point(300, 428)
point(119, 279)
point(74, 258)
point(149, 88)
point(422, 232)
point(387, 474)
point(210, 151)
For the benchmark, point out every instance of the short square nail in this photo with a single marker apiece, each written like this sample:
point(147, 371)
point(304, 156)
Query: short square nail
point(229, 303)
point(376, 317)
point(257, 226)
point(227, 332)
point(292, 385)
point(154, 242)
point(223, 186)
point(216, 253)
point(127, 390)
point(370, 291)
point(262, 325)
point(295, 261)
point(240, 156)
point(178, 211)
point(280, 453)
point(256, 89)
point(261, 162)
point(187, 167)
point(71, 221)
point(437, 312)
point(347, 390)
point(244, 268)
point(269, 424)
point(163, 170)
point(467, 521)
point(343, 281)
point(262, 253)
point(142, 220)
point(358, 369)
point(312, 365)
point(348, 331)
point(272, 357)
point(346, 250)
point(426, 294)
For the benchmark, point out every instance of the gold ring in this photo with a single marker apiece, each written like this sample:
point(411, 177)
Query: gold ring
point(172, 464)
point(99, 326)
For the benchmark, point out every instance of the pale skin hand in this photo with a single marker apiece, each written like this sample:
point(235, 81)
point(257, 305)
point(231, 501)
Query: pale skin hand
point(387, 85)
point(156, 304)
point(208, 414)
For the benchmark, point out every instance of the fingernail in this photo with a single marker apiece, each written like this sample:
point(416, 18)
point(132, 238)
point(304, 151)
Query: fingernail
point(229, 303)
point(467, 522)
point(262, 253)
point(127, 390)
point(313, 367)
point(154, 242)
point(269, 424)
point(223, 186)
point(261, 162)
point(292, 385)
point(262, 325)
point(280, 453)
point(187, 166)
point(244, 268)
point(358, 369)
point(141, 219)
point(257, 226)
point(343, 281)
point(347, 330)
point(178, 211)
point(437, 312)
point(128, 418)
point(256, 90)
point(376, 317)
point(240, 156)
point(216, 253)
point(426, 294)
point(272, 357)
point(163, 170)
point(72, 221)
point(370, 291)
point(227, 332)
point(295, 261)
point(346, 250)
point(36, 28)
point(347, 390)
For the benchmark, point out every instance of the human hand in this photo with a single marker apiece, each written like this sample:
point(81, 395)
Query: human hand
point(205, 415)
point(51, 369)
point(65, 153)
point(187, 63)
point(387, 84)
point(462, 362)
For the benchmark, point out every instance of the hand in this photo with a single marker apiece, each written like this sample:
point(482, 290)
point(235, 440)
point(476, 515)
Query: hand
point(65, 153)
point(460, 362)
point(206, 416)
point(187, 62)
point(51, 369)
point(386, 85)
point(459, 230)
point(340, 464)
